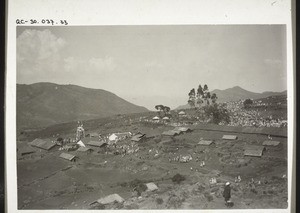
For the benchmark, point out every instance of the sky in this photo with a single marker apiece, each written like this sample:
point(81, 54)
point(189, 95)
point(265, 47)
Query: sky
point(150, 65)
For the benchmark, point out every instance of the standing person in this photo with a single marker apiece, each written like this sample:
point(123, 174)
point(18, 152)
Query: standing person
point(227, 193)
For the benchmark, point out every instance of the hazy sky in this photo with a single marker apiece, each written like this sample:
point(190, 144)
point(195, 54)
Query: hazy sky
point(149, 65)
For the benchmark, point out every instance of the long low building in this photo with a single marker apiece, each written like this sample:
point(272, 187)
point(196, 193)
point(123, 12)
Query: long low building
point(170, 133)
point(183, 129)
point(205, 142)
point(271, 143)
point(84, 149)
point(254, 150)
point(45, 144)
point(27, 151)
point(229, 137)
point(97, 143)
point(68, 156)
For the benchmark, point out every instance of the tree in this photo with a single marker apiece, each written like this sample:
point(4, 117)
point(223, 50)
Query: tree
point(206, 94)
point(199, 91)
point(166, 110)
point(199, 96)
point(213, 98)
point(217, 113)
point(160, 108)
point(192, 93)
point(247, 103)
point(207, 98)
point(192, 98)
point(203, 96)
point(163, 109)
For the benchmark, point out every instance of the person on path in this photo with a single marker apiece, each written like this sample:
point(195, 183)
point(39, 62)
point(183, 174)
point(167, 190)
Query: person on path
point(227, 193)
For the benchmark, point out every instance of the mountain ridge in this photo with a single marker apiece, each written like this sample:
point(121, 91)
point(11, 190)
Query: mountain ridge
point(43, 104)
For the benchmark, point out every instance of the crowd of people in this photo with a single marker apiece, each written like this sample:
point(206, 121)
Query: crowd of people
point(123, 149)
point(239, 116)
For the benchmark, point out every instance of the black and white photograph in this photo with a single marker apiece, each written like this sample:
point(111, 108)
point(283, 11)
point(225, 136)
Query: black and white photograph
point(151, 117)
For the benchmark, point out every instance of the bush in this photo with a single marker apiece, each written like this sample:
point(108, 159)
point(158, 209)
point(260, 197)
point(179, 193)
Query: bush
point(217, 113)
point(201, 188)
point(159, 200)
point(247, 103)
point(59, 139)
point(208, 196)
point(254, 191)
point(174, 202)
point(138, 186)
point(178, 178)
point(139, 163)
point(124, 184)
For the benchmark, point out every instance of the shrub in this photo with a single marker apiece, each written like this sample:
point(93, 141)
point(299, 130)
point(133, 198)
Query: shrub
point(138, 186)
point(217, 113)
point(254, 191)
point(59, 139)
point(201, 188)
point(208, 196)
point(178, 178)
point(139, 163)
point(174, 202)
point(124, 184)
point(247, 103)
point(159, 200)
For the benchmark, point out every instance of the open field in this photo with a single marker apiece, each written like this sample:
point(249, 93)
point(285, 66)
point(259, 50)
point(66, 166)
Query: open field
point(46, 181)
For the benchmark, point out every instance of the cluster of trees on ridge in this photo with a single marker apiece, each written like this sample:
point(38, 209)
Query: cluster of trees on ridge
point(202, 96)
point(163, 110)
point(207, 106)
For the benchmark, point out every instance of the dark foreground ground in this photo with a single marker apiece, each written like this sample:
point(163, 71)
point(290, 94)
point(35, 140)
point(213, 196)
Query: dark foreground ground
point(46, 181)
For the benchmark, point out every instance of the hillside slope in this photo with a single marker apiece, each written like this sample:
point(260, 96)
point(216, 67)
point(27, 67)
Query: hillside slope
point(44, 104)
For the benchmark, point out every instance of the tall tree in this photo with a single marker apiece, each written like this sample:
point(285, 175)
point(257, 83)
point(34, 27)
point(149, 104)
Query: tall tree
point(206, 94)
point(192, 98)
point(200, 91)
point(208, 97)
point(199, 95)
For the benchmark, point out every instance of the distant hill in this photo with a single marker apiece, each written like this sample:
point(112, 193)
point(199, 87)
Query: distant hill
point(44, 104)
point(237, 93)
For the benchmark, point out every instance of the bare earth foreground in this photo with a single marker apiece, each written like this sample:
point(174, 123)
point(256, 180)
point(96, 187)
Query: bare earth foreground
point(46, 181)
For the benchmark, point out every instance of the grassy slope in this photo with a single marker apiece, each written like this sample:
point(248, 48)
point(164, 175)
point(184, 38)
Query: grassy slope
point(44, 104)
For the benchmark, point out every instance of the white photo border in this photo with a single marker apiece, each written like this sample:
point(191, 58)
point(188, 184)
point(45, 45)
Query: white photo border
point(136, 12)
